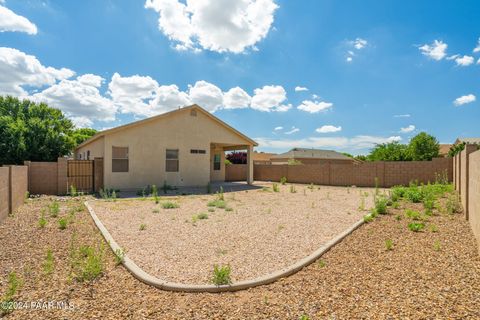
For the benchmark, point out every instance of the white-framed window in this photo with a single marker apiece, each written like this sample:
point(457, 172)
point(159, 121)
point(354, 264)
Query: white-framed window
point(119, 159)
point(171, 160)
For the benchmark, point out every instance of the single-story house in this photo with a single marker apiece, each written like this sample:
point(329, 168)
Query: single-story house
point(468, 141)
point(311, 156)
point(184, 147)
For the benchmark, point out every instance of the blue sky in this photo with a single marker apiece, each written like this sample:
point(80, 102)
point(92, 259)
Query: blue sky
point(368, 69)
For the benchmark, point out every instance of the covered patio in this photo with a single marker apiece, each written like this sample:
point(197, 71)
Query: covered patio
point(217, 160)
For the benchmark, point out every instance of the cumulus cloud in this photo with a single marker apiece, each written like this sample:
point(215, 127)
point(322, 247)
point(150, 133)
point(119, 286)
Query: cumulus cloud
point(407, 129)
point(299, 89)
point(477, 48)
point(469, 98)
point(236, 98)
point(314, 106)
point(360, 43)
point(464, 61)
point(169, 97)
point(436, 51)
point(207, 95)
point(207, 24)
point(328, 129)
point(342, 143)
point(18, 70)
point(10, 21)
point(293, 130)
point(278, 128)
point(81, 122)
point(80, 99)
point(270, 98)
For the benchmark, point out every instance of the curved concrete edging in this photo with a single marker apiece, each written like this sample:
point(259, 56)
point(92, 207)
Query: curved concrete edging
point(141, 275)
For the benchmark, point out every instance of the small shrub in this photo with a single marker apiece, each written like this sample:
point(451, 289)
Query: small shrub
point(202, 216)
point(114, 195)
point(87, 263)
point(292, 189)
point(212, 209)
point(49, 263)
point(169, 205)
point(437, 246)
point(413, 194)
point(453, 204)
point(13, 285)
point(412, 214)
point(42, 222)
point(398, 217)
point(156, 210)
point(228, 209)
point(62, 223)
point(266, 189)
point(155, 194)
point(433, 228)
point(368, 218)
point(361, 207)
point(26, 196)
point(381, 205)
point(388, 244)
point(275, 187)
point(217, 203)
point(395, 205)
point(220, 194)
point(321, 263)
point(143, 226)
point(283, 180)
point(415, 226)
point(73, 191)
point(119, 256)
point(54, 209)
point(221, 275)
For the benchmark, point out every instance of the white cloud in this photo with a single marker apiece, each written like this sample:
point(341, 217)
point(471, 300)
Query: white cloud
point(293, 130)
point(477, 48)
point(18, 69)
point(81, 122)
point(407, 129)
point(328, 129)
point(131, 94)
point(207, 95)
point(299, 89)
point(278, 128)
point(469, 98)
point(342, 143)
point(464, 61)
point(10, 21)
point(236, 98)
point(436, 51)
point(314, 106)
point(402, 116)
point(221, 26)
point(270, 98)
point(349, 59)
point(169, 97)
point(79, 99)
point(360, 43)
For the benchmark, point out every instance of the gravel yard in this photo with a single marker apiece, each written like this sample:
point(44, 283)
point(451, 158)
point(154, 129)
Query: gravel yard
point(256, 233)
point(432, 274)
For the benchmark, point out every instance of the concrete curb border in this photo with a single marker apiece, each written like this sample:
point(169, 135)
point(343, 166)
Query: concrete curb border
point(141, 275)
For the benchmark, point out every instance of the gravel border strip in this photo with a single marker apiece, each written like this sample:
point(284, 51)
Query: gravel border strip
point(143, 276)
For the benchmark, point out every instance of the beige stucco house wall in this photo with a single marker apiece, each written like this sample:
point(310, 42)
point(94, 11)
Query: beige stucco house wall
point(194, 132)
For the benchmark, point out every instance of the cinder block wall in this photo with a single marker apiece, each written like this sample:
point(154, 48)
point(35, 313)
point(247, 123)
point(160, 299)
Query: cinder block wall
point(474, 194)
point(4, 193)
point(360, 174)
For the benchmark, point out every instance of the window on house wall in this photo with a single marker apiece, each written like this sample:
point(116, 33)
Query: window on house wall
point(171, 162)
point(119, 159)
point(197, 151)
point(216, 161)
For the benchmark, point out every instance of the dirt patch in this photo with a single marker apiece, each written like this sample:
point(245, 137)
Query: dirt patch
point(358, 278)
point(255, 232)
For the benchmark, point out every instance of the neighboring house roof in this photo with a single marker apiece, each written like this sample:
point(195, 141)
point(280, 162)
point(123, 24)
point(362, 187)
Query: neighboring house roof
point(262, 156)
point(468, 140)
point(140, 122)
point(303, 153)
point(444, 149)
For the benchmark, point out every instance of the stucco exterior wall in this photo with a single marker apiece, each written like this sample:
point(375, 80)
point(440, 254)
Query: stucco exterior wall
point(96, 148)
point(148, 142)
point(474, 194)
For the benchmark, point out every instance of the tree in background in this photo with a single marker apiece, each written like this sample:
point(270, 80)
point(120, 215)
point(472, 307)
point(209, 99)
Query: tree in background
point(82, 134)
point(33, 131)
point(392, 151)
point(423, 147)
point(237, 157)
point(455, 149)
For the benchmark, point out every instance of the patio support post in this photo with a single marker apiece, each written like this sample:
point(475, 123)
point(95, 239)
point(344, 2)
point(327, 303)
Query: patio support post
point(250, 164)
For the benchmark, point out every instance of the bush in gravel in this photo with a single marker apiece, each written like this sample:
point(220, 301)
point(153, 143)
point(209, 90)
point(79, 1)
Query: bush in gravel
point(437, 246)
point(54, 209)
point(155, 194)
point(220, 194)
point(217, 203)
point(283, 180)
point(381, 204)
point(292, 189)
point(228, 209)
point(87, 263)
point(368, 218)
point(389, 244)
point(321, 263)
point(416, 226)
point(142, 227)
point(200, 216)
point(13, 285)
point(275, 187)
point(73, 191)
point(156, 210)
point(42, 222)
point(49, 263)
point(412, 214)
point(169, 205)
point(304, 317)
point(211, 209)
point(221, 275)
point(119, 256)
point(62, 223)
point(397, 192)
point(413, 194)
point(453, 204)
point(433, 228)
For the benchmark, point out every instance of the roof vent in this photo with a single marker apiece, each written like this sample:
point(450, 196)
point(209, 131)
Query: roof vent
point(193, 113)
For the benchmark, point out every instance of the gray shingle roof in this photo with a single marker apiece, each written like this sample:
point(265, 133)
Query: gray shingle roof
point(311, 153)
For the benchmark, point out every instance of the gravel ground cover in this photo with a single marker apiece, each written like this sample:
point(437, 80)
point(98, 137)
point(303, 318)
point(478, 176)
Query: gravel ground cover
point(254, 232)
point(432, 274)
